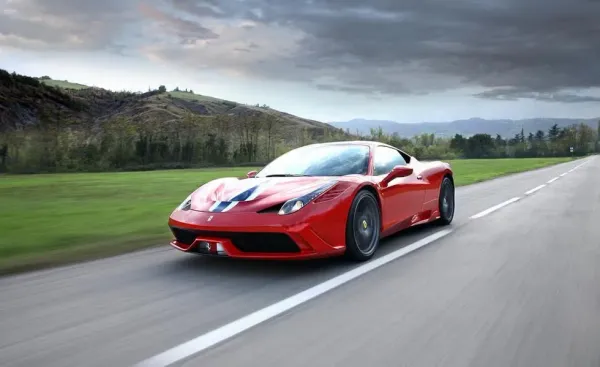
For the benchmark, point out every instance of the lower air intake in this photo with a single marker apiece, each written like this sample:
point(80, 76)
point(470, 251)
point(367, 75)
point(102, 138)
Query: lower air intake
point(266, 242)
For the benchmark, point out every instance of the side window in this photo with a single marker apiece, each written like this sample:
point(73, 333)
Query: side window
point(385, 159)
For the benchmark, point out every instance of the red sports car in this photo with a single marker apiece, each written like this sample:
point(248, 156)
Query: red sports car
point(315, 201)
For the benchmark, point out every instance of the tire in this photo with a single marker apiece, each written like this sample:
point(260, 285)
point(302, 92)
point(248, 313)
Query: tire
point(363, 227)
point(447, 201)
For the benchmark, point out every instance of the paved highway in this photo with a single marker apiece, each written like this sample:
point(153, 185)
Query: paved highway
point(514, 281)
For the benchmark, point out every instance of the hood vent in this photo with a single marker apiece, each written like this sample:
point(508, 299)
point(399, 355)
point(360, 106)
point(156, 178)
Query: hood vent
point(334, 192)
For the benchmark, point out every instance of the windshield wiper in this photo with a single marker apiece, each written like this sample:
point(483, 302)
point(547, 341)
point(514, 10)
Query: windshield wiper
point(286, 175)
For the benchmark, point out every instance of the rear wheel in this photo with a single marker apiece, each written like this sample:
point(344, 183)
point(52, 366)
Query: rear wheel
point(446, 201)
point(362, 227)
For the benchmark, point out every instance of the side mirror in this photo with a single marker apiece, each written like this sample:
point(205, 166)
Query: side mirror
point(396, 172)
point(251, 174)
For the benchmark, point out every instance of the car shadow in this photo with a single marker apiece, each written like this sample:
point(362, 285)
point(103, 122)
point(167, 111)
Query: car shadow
point(216, 267)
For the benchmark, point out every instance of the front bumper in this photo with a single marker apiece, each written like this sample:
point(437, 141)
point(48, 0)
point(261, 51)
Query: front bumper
point(249, 235)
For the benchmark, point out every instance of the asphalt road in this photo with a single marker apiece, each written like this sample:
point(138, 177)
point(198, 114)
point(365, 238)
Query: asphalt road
point(518, 286)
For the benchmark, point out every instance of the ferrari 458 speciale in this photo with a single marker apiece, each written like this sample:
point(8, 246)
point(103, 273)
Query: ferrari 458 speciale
point(319, 200)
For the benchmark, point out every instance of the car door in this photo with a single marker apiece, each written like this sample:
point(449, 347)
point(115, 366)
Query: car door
point(403, 197)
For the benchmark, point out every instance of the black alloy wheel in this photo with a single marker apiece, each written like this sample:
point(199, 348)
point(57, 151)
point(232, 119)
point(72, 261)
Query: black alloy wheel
point(446, 201)
point(363, 227)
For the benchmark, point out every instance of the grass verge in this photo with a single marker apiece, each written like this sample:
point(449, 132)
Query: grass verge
point(49, 220)
point(470, 171)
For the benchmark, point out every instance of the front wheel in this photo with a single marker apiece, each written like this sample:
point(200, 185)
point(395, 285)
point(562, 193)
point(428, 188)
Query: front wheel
point(362, 227)
point(446, 201)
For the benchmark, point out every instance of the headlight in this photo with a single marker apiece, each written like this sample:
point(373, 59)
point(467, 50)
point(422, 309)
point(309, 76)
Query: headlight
point(292, 206)
point(186, 204)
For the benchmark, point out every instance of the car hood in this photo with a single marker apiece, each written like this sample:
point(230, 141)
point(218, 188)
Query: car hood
point(252, 194)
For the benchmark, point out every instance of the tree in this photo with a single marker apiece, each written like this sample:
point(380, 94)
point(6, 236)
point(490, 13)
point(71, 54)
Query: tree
point(162, 89)
point(480, 146)
point(585, 139)
point(458, 143)
point(522, 136)
point(539, 144)
point(598, 138)
point(553, 133)
point(539, 136)
point(270, 126)
point(530, 138)
point(377, 134)
point(3, 156)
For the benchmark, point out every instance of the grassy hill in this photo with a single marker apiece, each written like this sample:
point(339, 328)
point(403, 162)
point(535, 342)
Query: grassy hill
point(206, 105)
point(64, 84)
point(52, 125)
point(97, 104)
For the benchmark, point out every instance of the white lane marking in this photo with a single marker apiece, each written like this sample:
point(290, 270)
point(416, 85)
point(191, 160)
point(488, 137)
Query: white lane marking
point(581, 165)
point(507, 202)
point(574, 168)
point(535, 189)
point(225, 332)
point(494, 208)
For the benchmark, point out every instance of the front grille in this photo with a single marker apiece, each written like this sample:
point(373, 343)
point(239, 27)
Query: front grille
point(243, 241)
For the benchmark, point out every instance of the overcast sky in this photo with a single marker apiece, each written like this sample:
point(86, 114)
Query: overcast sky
point(331, 60)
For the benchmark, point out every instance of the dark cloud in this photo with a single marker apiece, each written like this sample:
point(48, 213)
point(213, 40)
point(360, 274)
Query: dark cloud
point(514, 94)
point(64, 24)
point(542, 46)
point(207, 8)
point(514, 49)
point(186, 30)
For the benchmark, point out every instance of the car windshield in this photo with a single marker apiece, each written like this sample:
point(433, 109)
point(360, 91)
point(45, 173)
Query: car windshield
point(324, 160)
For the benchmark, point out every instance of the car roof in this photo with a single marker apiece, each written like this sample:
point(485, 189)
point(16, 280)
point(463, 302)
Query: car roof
point(370, 143)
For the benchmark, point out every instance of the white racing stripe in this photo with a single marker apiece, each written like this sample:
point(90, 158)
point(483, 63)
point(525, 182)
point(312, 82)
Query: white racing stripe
point(230, 205)
point(535, 189)
point(494, 208)
point(261, 188)
point(202, 342)
point(214, 206)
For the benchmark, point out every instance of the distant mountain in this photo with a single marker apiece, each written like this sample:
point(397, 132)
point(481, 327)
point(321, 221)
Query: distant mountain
point(472, 126)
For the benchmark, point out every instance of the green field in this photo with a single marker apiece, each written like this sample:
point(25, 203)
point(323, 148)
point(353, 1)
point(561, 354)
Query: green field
point(469, 171)
point(54, 219)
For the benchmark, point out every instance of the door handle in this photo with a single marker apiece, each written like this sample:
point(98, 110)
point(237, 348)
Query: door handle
point(419, 177)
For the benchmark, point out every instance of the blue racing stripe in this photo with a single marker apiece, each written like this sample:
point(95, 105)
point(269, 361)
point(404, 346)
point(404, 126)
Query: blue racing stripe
point(244, 195)
point(221, 206)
